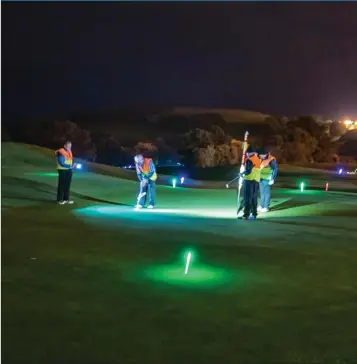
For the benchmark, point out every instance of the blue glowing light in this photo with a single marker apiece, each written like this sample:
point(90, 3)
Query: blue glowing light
point(78, 166)
point(182, 180)
point(340, 171)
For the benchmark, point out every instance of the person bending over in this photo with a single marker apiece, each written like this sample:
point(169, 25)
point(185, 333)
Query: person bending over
point(146, 172)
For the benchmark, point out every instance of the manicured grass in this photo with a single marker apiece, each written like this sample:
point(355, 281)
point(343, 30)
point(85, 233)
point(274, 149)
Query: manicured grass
point(97, 282)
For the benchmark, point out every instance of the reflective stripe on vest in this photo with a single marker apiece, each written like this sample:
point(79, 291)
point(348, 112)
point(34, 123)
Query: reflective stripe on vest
point(255, 174)
point(145, 169)
point(266, 171)
point(68, 158)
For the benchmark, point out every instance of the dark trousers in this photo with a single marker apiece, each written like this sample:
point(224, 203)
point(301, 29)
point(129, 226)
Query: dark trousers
point(264, 187)
point(64, 184)
point(149, 187)
point(250, 198)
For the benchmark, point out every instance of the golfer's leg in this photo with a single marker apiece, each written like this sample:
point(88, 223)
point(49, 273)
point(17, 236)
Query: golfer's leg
point(262, 195)
point(68, 181)
point(247, 193)
point(61, 185)
point(152, 193)
point(255, 189)
point(267, 195)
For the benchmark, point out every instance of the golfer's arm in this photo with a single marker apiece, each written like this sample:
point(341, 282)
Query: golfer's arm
point(138, 173)
point(274, 167)
point(151, 169)
point(248, 168)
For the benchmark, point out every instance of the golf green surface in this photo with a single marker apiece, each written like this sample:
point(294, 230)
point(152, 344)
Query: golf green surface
point(97, 282)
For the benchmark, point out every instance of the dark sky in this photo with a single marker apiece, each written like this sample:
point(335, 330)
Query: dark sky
point(285, 58)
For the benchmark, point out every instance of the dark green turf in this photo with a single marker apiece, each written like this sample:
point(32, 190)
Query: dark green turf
point(92, 289)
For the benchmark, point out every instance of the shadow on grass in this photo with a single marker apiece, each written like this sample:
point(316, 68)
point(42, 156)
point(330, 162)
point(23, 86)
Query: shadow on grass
point(97, 200)
point(291, 204)
point(15, 188)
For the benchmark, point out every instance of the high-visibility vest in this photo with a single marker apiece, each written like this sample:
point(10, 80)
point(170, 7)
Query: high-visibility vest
point(266, 171)
point(145, 169)
point(68, 158)
point(255, 174)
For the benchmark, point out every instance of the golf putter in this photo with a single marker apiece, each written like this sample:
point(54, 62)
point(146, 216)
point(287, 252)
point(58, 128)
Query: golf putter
point(141, 195)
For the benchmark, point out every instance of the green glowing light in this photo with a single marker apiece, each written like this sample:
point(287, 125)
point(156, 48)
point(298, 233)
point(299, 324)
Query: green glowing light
point(302, 186)
point(174, 182)
point(188, 259)
point(204, 276)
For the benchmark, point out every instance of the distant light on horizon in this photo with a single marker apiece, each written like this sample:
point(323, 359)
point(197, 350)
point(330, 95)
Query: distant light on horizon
point(350, 124)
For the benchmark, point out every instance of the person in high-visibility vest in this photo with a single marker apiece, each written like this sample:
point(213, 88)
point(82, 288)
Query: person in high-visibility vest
point(146, 172)
point(251, 181)
point(268, 173)
point(65, 164)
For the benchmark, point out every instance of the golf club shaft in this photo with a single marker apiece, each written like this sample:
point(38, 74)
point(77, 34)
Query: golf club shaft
point(233, 180)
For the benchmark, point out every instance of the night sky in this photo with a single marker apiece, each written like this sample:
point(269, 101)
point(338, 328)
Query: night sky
point(283, 58)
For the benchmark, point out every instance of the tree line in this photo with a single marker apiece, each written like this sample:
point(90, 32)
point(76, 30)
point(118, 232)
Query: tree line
point(296, 140)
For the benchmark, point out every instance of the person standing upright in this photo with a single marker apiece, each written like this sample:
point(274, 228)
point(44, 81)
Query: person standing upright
point(64, 167)
point(268, 173)
point(251, 181)
point(146, 172)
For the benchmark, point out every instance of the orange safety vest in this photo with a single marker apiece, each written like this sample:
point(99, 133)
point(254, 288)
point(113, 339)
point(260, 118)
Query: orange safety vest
point(145, 169)
point(255, 174)
point(68, 158)
point(266, 171)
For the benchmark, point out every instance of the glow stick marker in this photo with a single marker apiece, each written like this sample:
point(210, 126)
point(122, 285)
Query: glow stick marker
point(188, 259)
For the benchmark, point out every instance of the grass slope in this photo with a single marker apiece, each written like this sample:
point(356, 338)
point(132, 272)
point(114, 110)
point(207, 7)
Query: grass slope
point(97, 282)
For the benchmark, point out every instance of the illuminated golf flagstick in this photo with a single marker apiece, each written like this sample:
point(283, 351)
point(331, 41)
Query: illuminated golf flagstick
point(326, 186)
point(188, 259)
point(174, 182)
point(182, 180)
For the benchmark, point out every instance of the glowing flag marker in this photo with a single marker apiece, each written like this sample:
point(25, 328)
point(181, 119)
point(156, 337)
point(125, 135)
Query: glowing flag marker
point(340, 171)
point(188, 259)
point(302, 186)
point(174, 182)
point(326, 187)
point(182, 180)
point(78, 166)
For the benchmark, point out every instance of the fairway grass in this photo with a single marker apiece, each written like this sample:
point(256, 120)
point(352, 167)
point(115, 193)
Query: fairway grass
point(97, 282)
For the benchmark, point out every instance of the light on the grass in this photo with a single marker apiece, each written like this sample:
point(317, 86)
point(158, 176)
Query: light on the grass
point(340, 171)
point(182, 180)
point(326, 186)
point(78, 166)
point(302, 186)
point(174, 182)
point(188, 259)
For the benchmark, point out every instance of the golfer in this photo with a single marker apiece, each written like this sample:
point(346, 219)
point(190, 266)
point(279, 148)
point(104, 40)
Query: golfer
point(146, 172)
